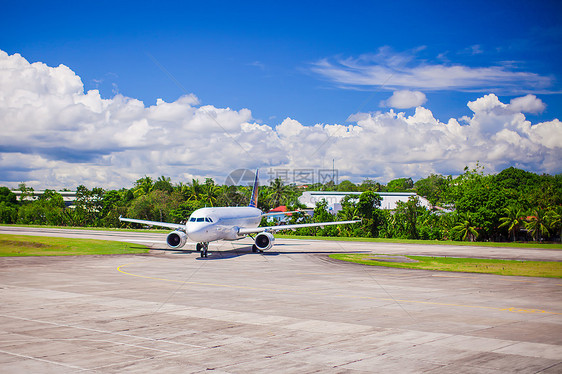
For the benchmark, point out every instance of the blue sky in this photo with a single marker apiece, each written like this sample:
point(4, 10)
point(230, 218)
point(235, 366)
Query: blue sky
point(316, 63)
point(259, 56)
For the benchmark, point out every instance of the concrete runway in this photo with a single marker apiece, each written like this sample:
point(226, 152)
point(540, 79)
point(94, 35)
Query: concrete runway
point(288, 310)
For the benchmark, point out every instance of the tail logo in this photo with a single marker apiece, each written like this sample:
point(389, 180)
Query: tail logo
point(254, 197)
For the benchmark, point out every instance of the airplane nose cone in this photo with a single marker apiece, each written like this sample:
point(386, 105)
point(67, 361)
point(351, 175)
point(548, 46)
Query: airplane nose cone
point(197, 232)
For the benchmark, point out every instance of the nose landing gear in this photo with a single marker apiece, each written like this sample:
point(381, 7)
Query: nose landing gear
point(203, 248)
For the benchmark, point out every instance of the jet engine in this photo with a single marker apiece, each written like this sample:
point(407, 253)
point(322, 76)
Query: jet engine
point(176, 239)
point(264, 241)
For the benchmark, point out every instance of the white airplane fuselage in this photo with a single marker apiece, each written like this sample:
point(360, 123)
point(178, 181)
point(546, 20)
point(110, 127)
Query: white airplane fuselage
point(221, 223)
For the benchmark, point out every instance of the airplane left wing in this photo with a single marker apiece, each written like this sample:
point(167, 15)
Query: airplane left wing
point(254, 230)
point(174, 226)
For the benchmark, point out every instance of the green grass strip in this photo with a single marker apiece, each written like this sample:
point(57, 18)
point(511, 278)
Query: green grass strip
point(425, 242)
point(20, 245)
point(95, 228)
point(336, 238)
point(545, 269)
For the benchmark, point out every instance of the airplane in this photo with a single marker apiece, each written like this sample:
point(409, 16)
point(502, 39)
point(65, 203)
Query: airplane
point(206, 225)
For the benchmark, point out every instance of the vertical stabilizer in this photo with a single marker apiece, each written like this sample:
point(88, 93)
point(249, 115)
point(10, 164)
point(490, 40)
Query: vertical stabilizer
point(254, 197)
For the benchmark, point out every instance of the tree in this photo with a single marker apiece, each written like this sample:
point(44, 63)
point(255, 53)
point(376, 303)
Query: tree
point(143, 186)
point(321, 214)
point(163, 184)
point(89, 206)
point(368, 211)
point(546, 193)
point(512, 220)
point(25, 191)
point(8, 213)
point(8, 196)
point(209, 193)
point(481, 197)
point(8, 206)
point(193, 190)
point(537, 225)
point(400, 185)
point(447, 222)
point(277, 192)
point(428, 225)
point(555, 220)
point(48, 209)
point(349, 210)
point(433, 188)
point(180, 213)
point(347, 186)
point(465, 227)
point(155, 206)
point(406, 214)
point(370, 185)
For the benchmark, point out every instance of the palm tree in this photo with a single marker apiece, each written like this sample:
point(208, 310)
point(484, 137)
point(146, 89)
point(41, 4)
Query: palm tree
point(163, 183)
point(447, 223)
point(555, 218)
point(277, 192)
point(512, 220)
point(209, 194)
point(193, 190)
point(537, 224)
point(143, 186)
point(465, 228)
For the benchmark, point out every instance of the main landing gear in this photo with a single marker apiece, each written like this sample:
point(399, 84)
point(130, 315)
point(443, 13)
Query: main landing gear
point(203, 248)
point(255, 248)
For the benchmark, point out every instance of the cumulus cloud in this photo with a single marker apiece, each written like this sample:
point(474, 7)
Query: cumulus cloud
point(390, 70)
point(56, 135)
point(405, 99)
point(527, 104)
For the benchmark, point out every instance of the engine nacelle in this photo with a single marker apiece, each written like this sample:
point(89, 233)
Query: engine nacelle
point(264, 241)
point(176, 239)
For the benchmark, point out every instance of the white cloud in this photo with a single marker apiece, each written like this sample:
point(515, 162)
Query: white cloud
point(56, 135)
point(527, 104)
point(405, 99)
point(391, 71)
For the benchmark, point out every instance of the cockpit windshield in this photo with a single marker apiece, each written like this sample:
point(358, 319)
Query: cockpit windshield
point(201, 219)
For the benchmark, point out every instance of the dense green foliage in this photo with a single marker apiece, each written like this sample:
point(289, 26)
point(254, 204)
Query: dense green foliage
point(513, 205)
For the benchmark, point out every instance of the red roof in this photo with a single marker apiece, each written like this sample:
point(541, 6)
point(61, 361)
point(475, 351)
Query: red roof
point(280, 209)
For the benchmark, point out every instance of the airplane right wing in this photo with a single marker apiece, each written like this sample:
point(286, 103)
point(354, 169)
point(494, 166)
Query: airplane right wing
point(174, 226)
point(278, 213)
point(254, 230)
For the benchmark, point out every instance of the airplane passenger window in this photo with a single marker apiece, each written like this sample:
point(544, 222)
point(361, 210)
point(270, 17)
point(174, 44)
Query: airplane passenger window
point(200, 219)
point(192, 219)
point(207, 219)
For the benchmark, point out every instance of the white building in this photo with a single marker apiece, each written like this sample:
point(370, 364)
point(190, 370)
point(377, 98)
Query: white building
point(333, 198)
point(69, 197)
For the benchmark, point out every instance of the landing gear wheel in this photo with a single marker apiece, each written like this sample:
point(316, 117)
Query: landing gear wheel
point(198, 247)
point(204, 247)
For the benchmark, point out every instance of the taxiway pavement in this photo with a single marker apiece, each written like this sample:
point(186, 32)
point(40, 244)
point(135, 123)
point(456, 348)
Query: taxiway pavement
point(288, 310)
